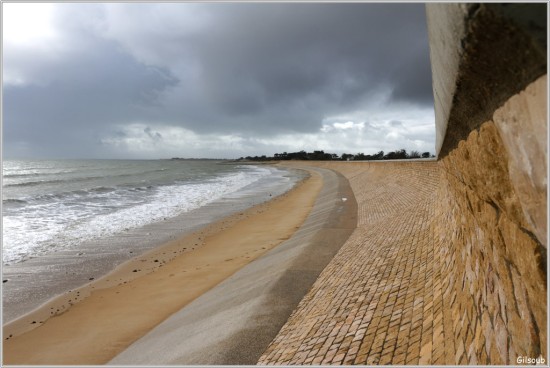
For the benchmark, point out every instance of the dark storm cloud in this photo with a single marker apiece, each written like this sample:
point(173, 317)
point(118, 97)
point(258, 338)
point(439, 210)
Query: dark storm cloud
point(256, 69)
point(292, 64)
point(413, 79)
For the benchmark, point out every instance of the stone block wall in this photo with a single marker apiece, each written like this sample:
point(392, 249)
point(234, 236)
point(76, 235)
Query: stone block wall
point(496, 267)
point(491, 115)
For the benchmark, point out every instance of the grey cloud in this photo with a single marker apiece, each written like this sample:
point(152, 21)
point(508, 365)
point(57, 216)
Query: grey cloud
point(84, 95)
point(252, 69)
point(413, 81)
point(155, 136)
point(305, 52)
point(254, 62)
point(396, 123)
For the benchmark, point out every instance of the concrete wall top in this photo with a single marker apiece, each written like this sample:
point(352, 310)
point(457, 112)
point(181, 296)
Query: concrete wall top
point(481, 54)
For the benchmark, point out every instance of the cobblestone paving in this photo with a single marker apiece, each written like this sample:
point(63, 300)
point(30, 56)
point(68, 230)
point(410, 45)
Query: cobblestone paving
point(380, 300)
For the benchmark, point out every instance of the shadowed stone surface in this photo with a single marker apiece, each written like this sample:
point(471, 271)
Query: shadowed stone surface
point(481, 54)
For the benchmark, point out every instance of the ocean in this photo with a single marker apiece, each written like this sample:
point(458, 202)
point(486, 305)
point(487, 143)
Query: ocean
point(75, 218)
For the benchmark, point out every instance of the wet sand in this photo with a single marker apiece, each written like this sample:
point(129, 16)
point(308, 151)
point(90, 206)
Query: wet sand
point(92, 324)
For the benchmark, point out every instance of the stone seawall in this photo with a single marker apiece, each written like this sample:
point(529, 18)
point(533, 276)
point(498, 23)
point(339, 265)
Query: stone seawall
point(491, 117)
point(448, 264)
point(434, 273)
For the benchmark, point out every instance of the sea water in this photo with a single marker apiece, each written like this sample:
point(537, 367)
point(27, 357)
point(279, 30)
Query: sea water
point(105, 211)
point(50, 205)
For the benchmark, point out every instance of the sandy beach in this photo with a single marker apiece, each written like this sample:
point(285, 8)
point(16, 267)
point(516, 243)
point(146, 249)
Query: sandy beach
point(92, 324)
point(234, 322)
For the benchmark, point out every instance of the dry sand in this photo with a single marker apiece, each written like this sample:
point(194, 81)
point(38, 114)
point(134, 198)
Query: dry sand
point(94, 323)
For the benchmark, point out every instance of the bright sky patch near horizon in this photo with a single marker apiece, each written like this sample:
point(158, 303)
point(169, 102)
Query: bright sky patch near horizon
point(216, 80)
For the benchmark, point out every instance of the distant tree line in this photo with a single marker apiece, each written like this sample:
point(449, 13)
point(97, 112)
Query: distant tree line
point(401, 154)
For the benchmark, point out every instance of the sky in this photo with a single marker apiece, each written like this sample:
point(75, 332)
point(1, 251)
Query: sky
point(215, 80)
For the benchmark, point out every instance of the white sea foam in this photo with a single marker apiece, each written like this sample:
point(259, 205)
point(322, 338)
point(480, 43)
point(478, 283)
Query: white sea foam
point(44, 224)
